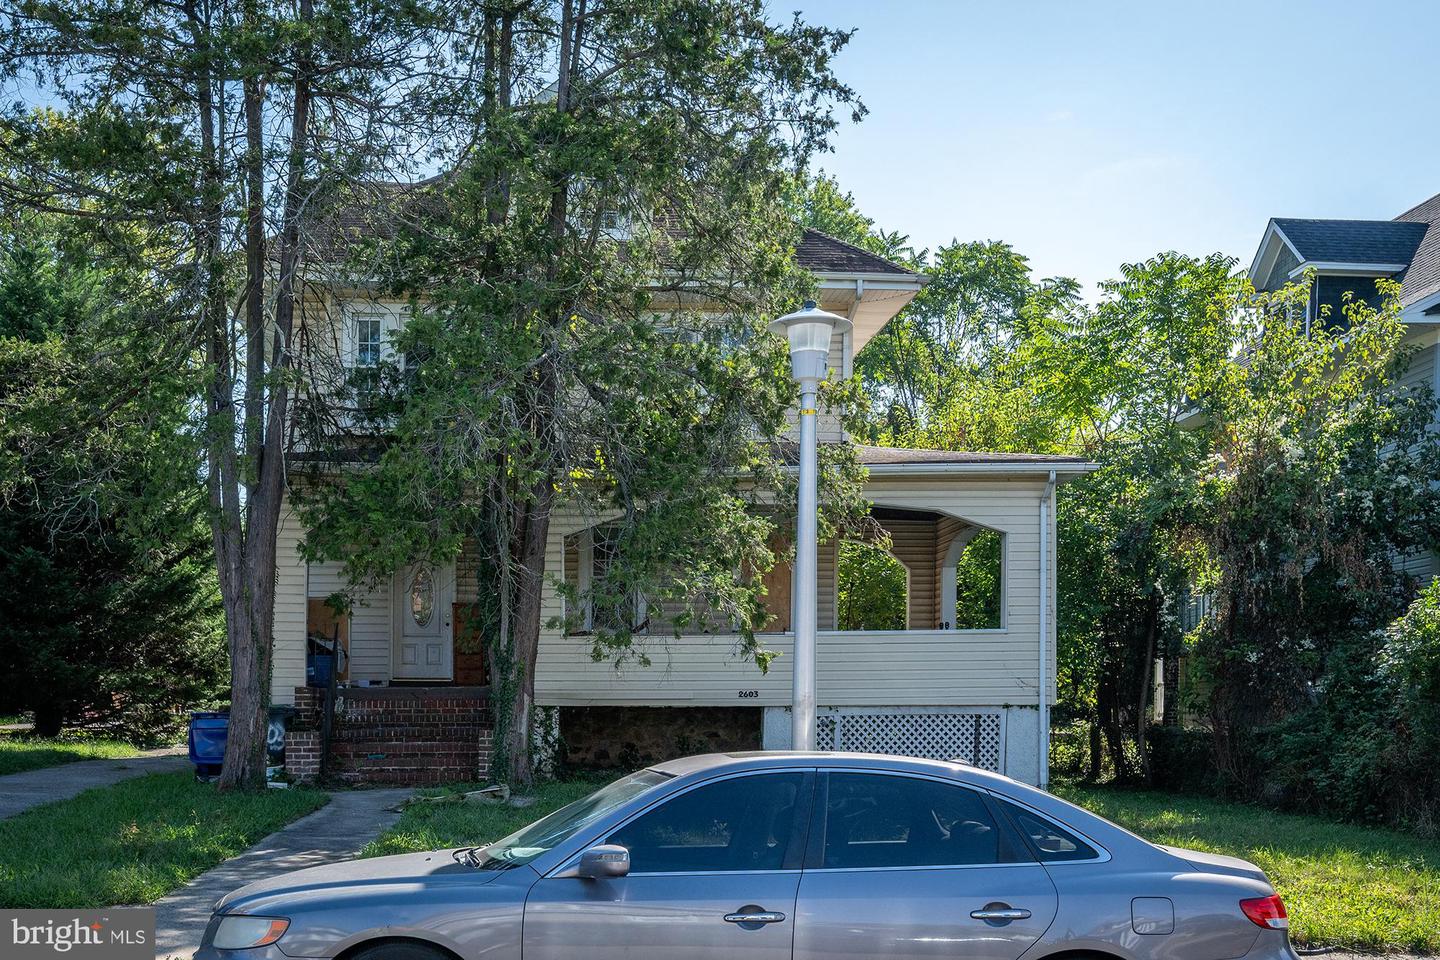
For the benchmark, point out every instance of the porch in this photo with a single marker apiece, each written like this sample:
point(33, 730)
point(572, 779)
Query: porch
point(402, 734)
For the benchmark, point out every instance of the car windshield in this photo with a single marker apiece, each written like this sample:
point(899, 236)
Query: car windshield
point(544, 834)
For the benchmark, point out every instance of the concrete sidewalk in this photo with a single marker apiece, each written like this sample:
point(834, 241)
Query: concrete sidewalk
point(335, 832)
point(21, 791)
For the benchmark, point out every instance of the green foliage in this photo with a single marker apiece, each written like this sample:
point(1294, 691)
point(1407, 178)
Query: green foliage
point(871, 588)
point(108, 603)
point(978, 587)
point(135, 841)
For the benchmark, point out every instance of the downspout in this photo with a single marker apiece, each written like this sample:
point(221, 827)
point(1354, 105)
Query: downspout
point(1047, 513)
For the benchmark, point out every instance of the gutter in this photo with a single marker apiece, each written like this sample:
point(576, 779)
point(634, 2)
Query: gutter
point(1047, 515)
point(1048, 468)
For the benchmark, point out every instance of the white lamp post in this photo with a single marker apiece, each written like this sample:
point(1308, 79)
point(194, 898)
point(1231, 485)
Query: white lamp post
point(809, 330)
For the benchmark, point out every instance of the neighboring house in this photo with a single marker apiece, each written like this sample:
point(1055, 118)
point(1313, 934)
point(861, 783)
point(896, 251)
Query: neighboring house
point(1349, 256)
point(414, 703)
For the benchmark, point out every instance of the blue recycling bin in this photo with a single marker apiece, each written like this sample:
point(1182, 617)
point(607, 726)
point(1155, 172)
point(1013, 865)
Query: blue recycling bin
point(208, 732)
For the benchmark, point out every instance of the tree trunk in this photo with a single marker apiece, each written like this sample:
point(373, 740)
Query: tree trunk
point(251, 650)
point(1096, 759)
point(49, 720)
point(528, 561)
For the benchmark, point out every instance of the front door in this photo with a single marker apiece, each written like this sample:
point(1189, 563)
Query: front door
point(713, 876)
point(424, 601)
point(916, 868)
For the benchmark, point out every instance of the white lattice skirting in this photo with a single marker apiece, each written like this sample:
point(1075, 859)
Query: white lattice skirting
point(974, 737)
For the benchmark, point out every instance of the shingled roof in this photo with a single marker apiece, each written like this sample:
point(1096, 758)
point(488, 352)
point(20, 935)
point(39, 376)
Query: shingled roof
point(1422, 280)
point(1352, 241)
point(821, 253)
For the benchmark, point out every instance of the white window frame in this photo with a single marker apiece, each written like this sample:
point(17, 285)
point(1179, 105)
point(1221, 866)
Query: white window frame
point(392, 318)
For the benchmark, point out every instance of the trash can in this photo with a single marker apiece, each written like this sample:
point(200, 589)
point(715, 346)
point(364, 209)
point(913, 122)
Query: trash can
point(208, 732)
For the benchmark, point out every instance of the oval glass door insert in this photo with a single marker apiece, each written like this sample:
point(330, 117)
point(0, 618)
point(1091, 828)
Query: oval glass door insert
point(422, 596)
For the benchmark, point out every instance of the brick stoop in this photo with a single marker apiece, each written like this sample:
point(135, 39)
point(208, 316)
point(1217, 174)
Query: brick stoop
point(403, 735)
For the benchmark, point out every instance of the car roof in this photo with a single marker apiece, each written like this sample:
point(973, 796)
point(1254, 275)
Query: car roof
point(715, 763)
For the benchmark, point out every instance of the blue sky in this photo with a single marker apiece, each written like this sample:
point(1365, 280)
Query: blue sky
point(1088, 134)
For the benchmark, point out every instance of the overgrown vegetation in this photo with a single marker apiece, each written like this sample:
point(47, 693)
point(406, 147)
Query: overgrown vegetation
point(1274, 466)
point(135, 841)
point(109, 614)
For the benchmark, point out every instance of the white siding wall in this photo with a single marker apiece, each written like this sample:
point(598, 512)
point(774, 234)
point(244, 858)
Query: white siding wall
point(288, 665)
point(920, 667)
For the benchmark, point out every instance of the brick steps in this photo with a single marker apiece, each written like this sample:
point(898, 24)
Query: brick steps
point(413, 736)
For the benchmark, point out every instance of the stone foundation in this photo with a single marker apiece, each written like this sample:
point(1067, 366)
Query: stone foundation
point(633, 737)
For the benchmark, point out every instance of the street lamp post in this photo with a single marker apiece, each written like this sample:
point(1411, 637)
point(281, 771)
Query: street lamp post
point(808, 330)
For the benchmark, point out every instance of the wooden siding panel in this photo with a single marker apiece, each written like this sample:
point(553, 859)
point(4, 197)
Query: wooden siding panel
point(287, 669)
point(917, 668)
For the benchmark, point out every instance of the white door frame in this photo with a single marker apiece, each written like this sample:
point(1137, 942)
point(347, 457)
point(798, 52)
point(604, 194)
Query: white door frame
point(444, 576)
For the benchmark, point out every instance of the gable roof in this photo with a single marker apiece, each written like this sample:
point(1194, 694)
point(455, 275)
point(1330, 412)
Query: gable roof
point(1352, 241)
point(1407, 248)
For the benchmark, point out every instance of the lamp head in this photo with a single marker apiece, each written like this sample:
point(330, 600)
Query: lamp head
point(809, 330)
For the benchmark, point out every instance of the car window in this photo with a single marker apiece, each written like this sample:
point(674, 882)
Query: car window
point(1052, 843)
point(743, 823)
point(527, 843)
point(874, 820)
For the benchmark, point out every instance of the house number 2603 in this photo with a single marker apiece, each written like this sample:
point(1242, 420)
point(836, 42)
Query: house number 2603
point(749, 694)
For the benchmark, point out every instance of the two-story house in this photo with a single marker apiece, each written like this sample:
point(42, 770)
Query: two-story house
point(413, 703)
point(1348, 257)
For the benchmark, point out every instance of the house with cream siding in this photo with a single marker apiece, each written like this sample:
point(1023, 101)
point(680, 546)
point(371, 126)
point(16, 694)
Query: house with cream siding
point(411, 693)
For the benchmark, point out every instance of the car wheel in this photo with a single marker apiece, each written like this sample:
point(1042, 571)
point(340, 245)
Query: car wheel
point(400, 950)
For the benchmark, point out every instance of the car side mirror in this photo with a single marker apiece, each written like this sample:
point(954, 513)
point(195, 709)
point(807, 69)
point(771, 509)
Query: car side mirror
point(605, 861)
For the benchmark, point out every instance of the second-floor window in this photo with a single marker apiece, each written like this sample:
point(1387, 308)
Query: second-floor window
point(369, 340)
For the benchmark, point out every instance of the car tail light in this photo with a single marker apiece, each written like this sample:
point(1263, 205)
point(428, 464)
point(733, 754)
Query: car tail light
point(1267, 912)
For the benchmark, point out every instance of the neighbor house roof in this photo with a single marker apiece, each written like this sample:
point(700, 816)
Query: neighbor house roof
point(1422, 279)
point(1353, 241)
point(1406, 248)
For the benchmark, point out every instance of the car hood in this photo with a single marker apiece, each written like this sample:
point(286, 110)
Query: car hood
point(434, 868)
point(1218, 863)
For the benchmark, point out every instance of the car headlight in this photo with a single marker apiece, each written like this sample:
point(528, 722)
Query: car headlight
point(238, 933)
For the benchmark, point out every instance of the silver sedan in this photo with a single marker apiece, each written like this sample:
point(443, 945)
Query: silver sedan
point(775, 856)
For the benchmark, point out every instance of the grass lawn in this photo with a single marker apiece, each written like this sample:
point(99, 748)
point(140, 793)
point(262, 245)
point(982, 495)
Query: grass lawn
point(135, 841)
point(1362, 888)
point(432, 826)
point(23, 752)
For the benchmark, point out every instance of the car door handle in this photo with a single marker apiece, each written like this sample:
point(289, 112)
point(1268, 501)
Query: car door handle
point(1002, 914)
point(760, 916)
